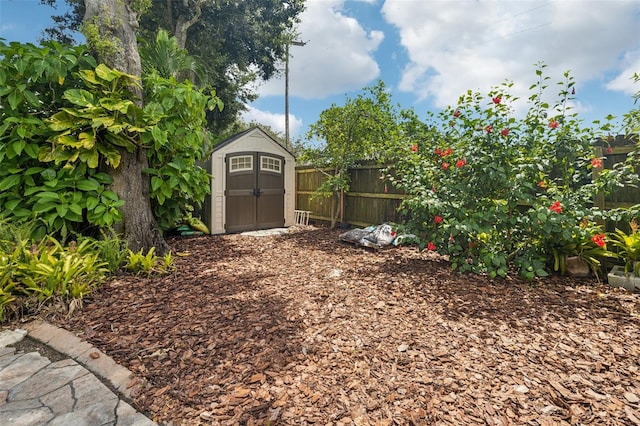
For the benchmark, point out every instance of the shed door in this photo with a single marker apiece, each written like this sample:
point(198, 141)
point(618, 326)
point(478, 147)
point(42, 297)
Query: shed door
point(255, 191)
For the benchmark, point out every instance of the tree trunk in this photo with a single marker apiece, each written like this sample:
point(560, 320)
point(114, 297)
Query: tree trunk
point(116, 24)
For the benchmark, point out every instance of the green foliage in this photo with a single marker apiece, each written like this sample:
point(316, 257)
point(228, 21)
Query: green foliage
point(36, 83)
point(495, 193)
point(112, 250)
point(108, 47)
point(628, 247)
point(235, 42)
point(100, 121)
point(163, 56)
point(179, 142)
point(361, 129)
point(148, 264)
point(45, 271)
point(64, 119)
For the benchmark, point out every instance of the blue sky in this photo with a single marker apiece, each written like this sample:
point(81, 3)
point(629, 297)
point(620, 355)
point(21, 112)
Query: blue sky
point(430, 52)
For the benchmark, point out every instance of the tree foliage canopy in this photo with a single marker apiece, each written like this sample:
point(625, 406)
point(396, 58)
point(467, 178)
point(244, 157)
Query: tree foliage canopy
point(365, 127)
point(235, 41)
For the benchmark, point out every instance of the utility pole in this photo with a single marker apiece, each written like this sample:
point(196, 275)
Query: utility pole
point(286, 92)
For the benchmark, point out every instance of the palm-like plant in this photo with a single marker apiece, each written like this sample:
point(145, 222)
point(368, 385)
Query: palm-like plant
point(628, 245)
point(164, 57)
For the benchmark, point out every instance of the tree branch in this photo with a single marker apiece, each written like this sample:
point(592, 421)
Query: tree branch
point(183, 25)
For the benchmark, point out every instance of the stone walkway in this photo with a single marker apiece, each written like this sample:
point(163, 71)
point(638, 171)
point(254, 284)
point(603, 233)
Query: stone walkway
point(36, 391)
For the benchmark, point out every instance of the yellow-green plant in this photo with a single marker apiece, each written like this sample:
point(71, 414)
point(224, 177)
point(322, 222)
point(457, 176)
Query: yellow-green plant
point(148, 264)
point(112, 249)
point(48, 269)
point(628, 245)
point(7, 285)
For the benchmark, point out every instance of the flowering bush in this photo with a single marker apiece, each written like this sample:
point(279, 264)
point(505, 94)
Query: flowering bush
point(514, 198)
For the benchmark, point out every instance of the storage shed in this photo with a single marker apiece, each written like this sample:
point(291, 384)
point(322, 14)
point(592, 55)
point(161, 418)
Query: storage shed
point(253, 185)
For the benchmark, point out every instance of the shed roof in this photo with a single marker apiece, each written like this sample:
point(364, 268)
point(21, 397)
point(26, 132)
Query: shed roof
point(240, 135)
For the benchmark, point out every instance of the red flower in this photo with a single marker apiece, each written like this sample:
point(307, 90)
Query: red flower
point(553, 124)
point(497, 100)
point(437, 219)
point(556, 207)
point(599, 240)
point(542, 184)
point(431, 246)
point(414, 148)
point(445, 166)
point(438, 151)
point(505, 132)
point(461, 162)
point(393, 233)
point(446, 152)
point(456, 113)
point(596, 163)
point(489, 129)
point(609, 150)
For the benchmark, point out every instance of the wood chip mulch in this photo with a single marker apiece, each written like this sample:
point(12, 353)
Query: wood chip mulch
point(302, 329)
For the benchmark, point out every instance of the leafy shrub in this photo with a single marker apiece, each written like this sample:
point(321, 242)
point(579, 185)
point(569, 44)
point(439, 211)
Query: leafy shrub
point(61, 200)
point(45, 271)
point(62, 116)
point(148, 264)
point(495, 193)
point(178, 144)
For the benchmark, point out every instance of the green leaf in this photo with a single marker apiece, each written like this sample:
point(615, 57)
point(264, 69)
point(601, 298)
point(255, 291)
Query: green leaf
point(62, 209)
point(106, 73)
point(156, 183)
point(106, 121)
point(80, 97)
point(11, 205)
point(75, 208)
point(14, 99)
point(87, 140)
point(18, 146)
point(9, 182)
point(31, 149)
point(92, 202)
point(40, 208)
point(88, 185)
point(116, 105)
point(91, 158)
point(61, 121)
point(31, 98)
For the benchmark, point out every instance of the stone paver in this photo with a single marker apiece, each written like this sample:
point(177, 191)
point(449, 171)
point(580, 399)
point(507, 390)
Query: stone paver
point(35, 391)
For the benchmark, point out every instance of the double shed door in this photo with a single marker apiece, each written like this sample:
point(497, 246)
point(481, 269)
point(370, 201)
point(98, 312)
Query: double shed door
point(254, 195)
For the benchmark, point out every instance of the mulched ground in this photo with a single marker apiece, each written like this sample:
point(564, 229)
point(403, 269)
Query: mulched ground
point(303, 329)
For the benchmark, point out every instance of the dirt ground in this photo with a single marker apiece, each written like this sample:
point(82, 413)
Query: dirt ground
point(303, 329)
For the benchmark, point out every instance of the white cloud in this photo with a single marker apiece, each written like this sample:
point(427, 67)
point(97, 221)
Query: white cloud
point(274, 120)
point(624, 82)
point(455, 46)
point(338, 56)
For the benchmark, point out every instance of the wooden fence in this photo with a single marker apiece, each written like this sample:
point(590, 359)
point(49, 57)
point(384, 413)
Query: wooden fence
point(372, 200)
